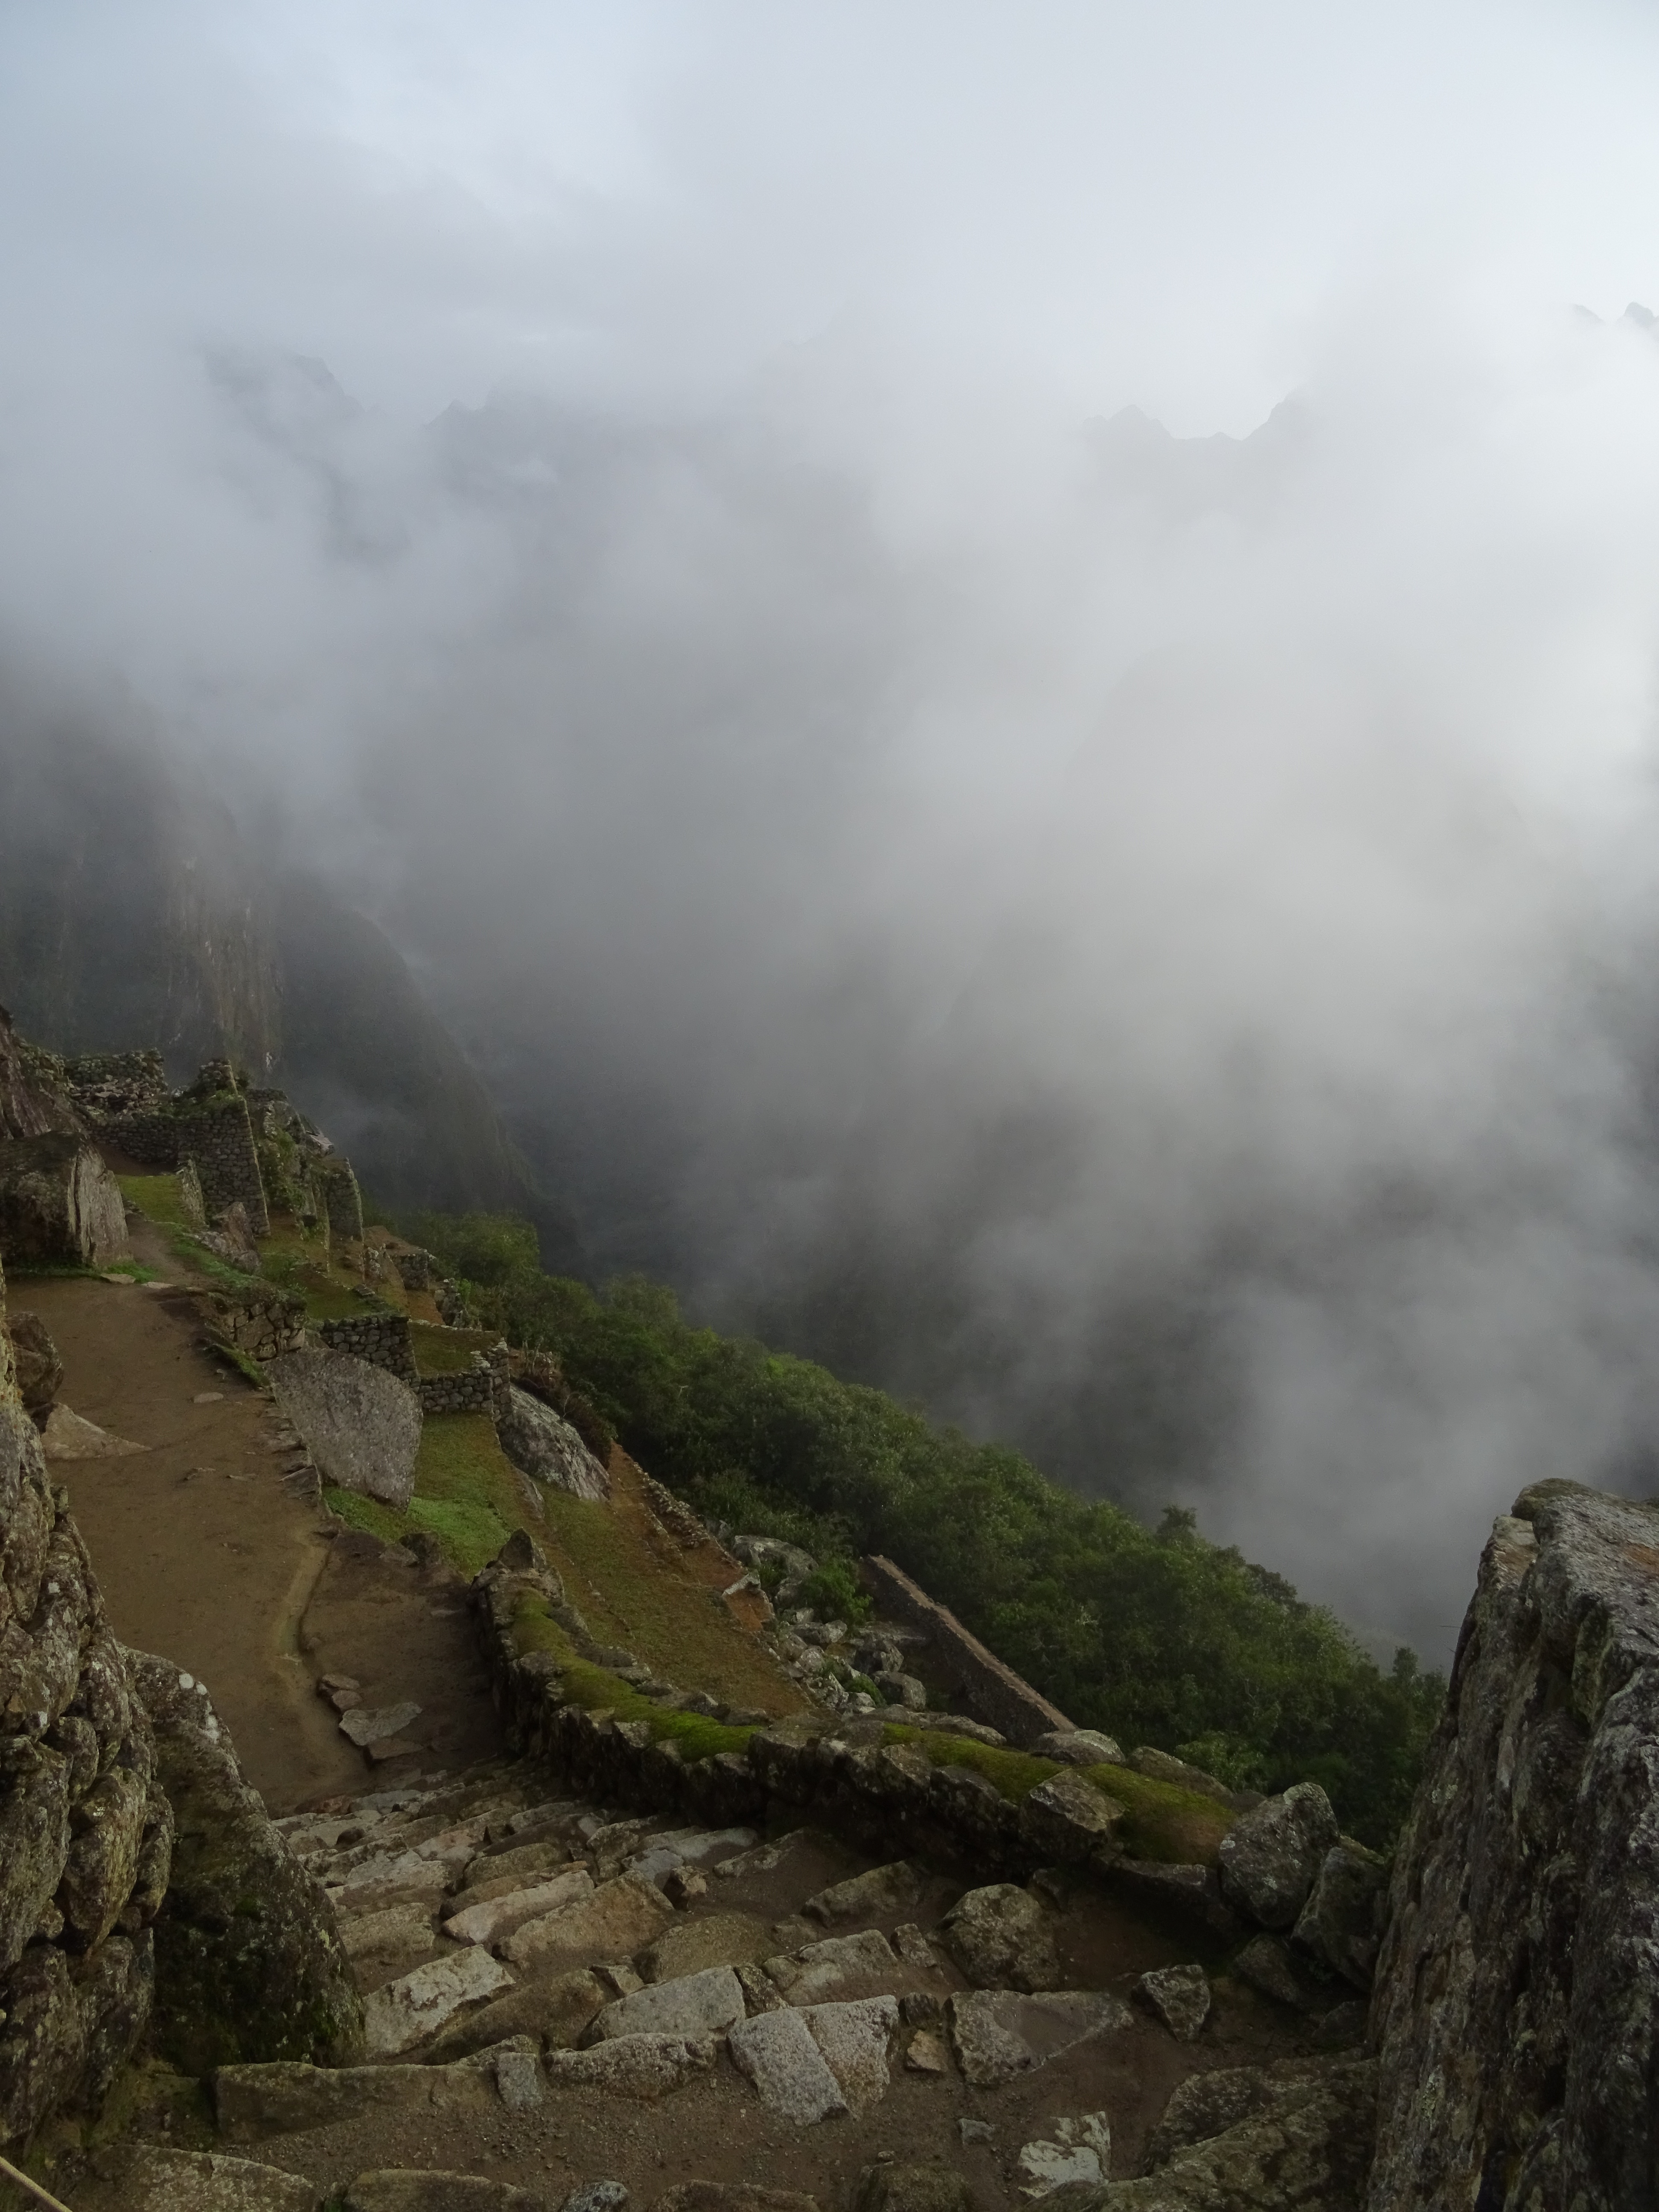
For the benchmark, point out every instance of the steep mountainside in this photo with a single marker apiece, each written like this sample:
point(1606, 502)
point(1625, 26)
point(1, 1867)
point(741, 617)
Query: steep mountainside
point(135, 913)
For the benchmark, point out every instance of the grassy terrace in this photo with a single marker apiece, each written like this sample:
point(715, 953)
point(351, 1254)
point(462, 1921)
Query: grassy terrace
point(467, 1493)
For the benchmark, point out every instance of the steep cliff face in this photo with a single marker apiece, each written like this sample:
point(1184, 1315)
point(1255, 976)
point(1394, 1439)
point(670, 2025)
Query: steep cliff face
point(1517, 2009)
point(133, 914)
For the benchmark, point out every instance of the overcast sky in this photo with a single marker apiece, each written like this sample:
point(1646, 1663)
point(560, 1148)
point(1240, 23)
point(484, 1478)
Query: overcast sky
point(637, 484)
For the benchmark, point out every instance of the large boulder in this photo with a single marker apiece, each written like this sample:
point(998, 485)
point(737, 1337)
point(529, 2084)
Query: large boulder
point(360, 1425)
point(541, 1443)
point(1270, 1858)
point(1516, 2014)
point(59, 1205)
point(249, 1966)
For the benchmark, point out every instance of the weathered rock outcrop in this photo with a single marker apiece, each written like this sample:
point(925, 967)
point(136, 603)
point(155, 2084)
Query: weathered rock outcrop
point(35, 1099)
point(249, 1965)
point(38, 1369)
point(85, 1832)
point(59, 1205)
point(361, 1426)
point(1517, 2009)
point(542, 1444)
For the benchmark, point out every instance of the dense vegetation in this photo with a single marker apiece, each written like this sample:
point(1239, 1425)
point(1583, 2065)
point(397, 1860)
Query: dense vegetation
point(1158, 1636)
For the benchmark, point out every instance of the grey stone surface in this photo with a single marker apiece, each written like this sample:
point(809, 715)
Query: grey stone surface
point(1525, 1889)
point(495, 1918)
point(717, 1939)
point(998, 2033)
point(706, 2003)
point(620, 1918)
point(868, 1896)
point(1163, 1766)
point(59, 1205)
point(1270, 1856)
point(998, 1695)
point(68, 1435)
point(856, 2040)
point(418, 2004)
point(557, 2012)
point(1002, 1938)
point(360, 1425)
point(542, 1444)
point(1303, 2145)
point(1068, 1821)
point(207, 2181)
point(367, 1724)
point(519, 2081)
point(833, 1968)
point(644, 2067)
point(1341, 1924)
point(1075, 2149)
point(1180, 1996)
point(1080, 1747)
point(596, 2197)
point(790, 2074)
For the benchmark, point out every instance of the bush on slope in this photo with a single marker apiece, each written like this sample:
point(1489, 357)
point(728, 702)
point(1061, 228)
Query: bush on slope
point(1155, 1636)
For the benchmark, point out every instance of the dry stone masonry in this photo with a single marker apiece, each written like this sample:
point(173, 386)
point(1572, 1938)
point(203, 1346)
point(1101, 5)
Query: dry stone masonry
point(994, 1693)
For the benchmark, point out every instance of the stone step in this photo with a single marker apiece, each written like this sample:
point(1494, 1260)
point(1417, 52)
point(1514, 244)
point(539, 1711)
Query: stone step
point(251, 2104)
point(160, 2180)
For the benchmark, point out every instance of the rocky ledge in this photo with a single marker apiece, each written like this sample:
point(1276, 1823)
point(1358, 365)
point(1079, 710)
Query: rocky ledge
point(1516, 2012)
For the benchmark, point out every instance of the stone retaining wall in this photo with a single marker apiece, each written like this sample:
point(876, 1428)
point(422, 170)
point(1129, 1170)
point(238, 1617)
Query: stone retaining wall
point(471, 1392)
point(991, 1690)
point(260, 1323)
point(887, 1797)
point(341, 1199)
point(381, 1338)
point(217, 1136)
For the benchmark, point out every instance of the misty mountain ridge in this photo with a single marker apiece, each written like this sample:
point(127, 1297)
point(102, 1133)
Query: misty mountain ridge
point(135, 913)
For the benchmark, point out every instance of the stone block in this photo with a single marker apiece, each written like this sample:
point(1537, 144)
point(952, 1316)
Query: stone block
point(644, 2067)
point(838, 1967)
point(871, 1895)
point(790, 2074)
point(207, 2181)
point(706, 2003)
point(1002, 1938)
point(855, 2040)
point(621, 1917)
point(418, 2004)
point(497, 1916)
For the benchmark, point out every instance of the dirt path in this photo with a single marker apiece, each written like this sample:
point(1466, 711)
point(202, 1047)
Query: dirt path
point(206, 1552)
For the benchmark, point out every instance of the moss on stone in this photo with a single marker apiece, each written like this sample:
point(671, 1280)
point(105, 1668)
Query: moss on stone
point(595, 1689)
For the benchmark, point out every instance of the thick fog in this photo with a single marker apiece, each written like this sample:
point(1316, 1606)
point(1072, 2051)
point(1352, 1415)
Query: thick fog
point(999, 664)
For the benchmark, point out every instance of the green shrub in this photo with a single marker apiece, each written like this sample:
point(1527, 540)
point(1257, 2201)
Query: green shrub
point(1157, 1637)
